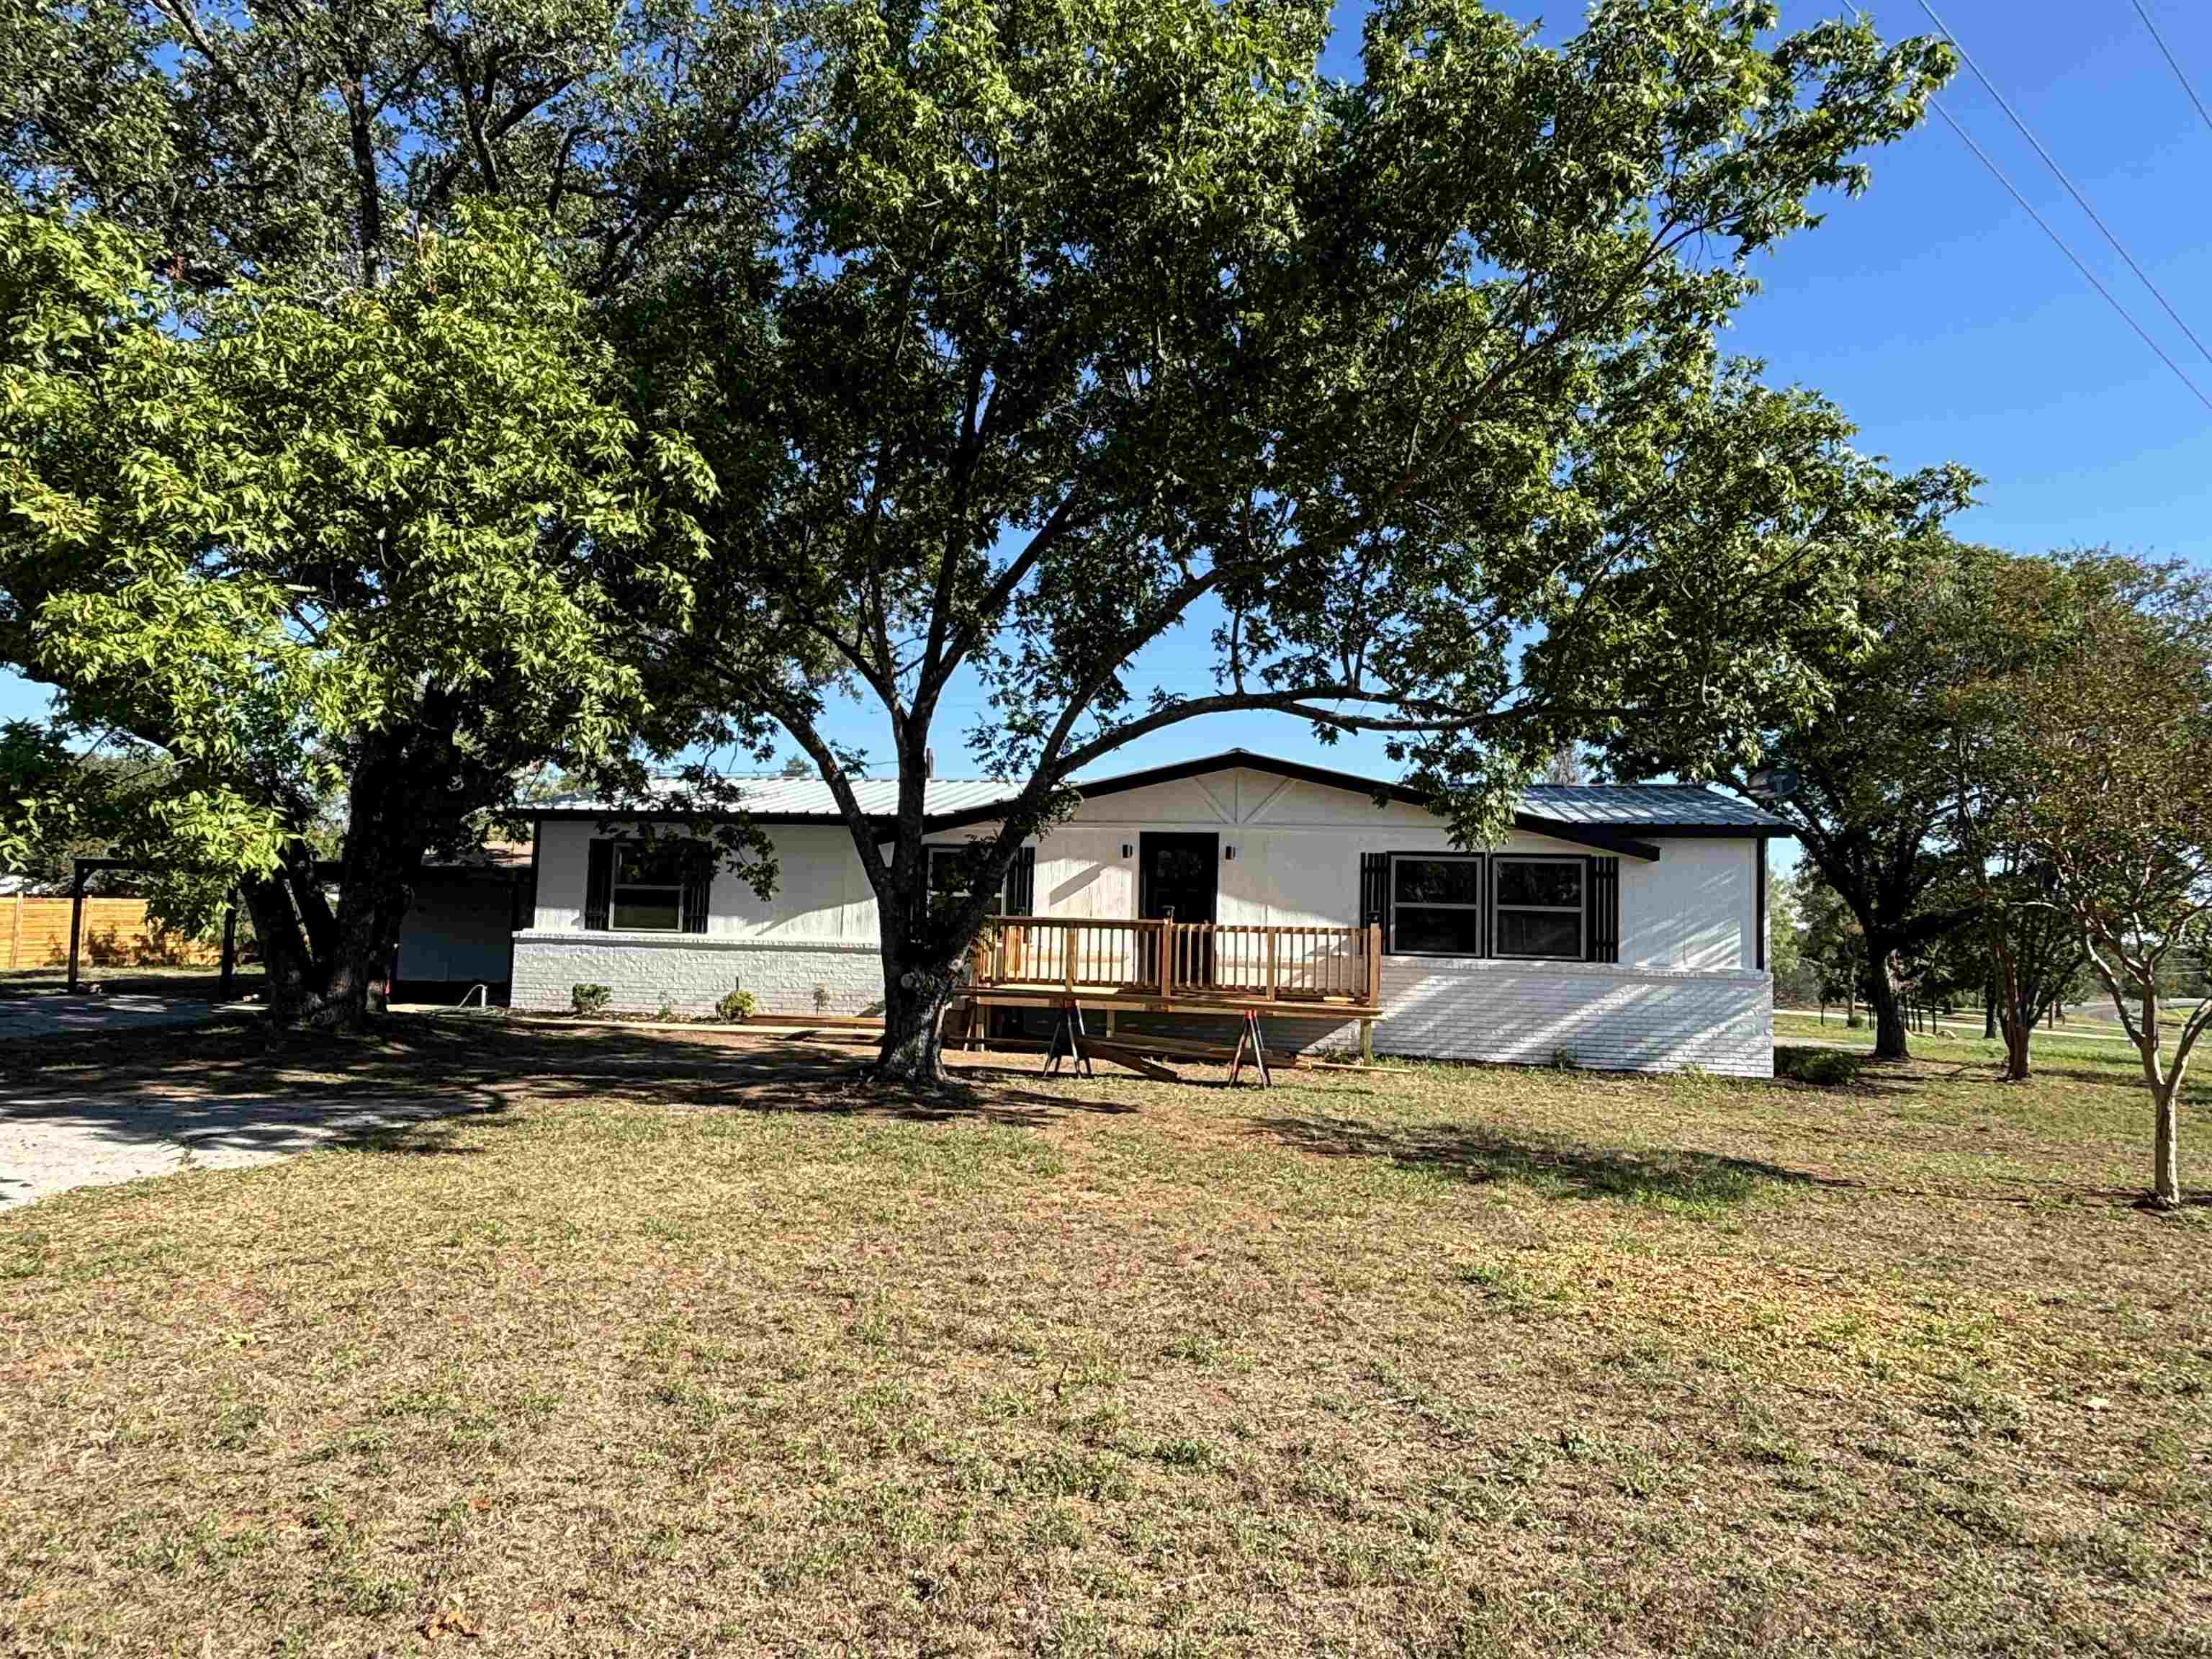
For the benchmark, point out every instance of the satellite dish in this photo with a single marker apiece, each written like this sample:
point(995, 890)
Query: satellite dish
point(1774, 783)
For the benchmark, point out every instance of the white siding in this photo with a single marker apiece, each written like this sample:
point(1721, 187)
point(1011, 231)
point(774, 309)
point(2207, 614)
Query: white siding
point(1697, 908)
point(821, 892)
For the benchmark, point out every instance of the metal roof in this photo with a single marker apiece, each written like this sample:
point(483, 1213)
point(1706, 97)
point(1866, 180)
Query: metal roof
point(804, 800)
point(1651, 808)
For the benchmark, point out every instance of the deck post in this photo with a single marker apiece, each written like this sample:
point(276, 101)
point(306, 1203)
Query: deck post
point(1367, 1040)
point(229, 944)
point(76, 916)
point(1272, 939)
point(1167, 947)
point(1374, 964)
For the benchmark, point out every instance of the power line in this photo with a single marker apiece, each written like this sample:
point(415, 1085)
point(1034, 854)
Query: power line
point(1998, 174)
point(2060, 173)
point(2179, 73)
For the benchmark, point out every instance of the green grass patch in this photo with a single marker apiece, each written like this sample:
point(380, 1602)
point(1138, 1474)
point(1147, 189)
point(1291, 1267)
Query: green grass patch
point(690, 1345)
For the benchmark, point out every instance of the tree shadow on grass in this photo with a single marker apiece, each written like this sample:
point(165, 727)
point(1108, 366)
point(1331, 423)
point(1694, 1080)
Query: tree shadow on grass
point(137, 1080)
point(1476, 1153)
point(2128, 1077)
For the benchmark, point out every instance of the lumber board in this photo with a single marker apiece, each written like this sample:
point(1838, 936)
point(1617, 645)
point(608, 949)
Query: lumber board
point(1222, 1053)
point(1136, 1062)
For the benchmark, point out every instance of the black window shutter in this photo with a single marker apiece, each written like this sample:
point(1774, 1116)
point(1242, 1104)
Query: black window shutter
point(698, 884)
point(1021, 884)
point(1374, 892)
point(1602, 903)
point(599, 885)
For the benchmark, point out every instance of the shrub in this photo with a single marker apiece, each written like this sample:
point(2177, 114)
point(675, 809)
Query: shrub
point(821, 999)
point(1563, 1059)
point(1826, 1068)
point(738, 1004)
point(588, 999)
point(668, 1016)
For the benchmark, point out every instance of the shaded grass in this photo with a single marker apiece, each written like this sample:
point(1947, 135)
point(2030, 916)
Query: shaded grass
point(192, 980)
point(690, 1345)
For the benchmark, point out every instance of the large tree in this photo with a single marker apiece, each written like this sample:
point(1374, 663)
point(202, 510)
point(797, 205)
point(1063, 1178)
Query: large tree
point(308, 157)
point(307, 543)
point(1868, 788)
point(1076, 326)
point(2113, 794)
point(266, 138)
point(1997, 623)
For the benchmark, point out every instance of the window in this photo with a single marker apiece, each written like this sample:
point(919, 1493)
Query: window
point(948, 879)
point(1539, 908)
point(1435, 906)
point(647, 894)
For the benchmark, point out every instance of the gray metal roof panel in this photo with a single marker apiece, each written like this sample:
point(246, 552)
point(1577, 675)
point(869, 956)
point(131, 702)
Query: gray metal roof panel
point(808, 798)
point(1652, 808)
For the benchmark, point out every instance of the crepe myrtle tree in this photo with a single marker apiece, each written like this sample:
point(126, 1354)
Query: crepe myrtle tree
point(1083, 326)
point(2113, 794)
point(315, 545)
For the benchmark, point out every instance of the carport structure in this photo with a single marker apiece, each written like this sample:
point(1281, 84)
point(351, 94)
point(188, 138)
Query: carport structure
point(458, 931)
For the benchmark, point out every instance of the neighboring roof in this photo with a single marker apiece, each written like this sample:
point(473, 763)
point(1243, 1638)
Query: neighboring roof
point(1598, 815)
point(493, 855)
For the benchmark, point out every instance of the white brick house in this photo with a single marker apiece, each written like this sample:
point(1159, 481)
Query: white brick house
point(1625, 926)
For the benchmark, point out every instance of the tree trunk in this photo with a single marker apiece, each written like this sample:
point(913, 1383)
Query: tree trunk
point(2017, 1003)
point(913, 1020)
point(1889, 1041)
point(2166, 1153)
point(387, 835)
point(288, 968)
point(329, 968)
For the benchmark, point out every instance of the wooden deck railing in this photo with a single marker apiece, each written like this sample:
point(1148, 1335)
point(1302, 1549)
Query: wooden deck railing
point(1172, 960)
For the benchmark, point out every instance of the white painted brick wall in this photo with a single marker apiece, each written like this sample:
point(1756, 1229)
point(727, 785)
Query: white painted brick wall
point(1610, 1018)
point(690, 973)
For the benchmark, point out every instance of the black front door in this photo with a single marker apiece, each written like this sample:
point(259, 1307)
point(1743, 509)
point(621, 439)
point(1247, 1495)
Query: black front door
point(1179, 878)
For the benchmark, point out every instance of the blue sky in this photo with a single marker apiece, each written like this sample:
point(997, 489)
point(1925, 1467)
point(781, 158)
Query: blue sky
point(1938, 315)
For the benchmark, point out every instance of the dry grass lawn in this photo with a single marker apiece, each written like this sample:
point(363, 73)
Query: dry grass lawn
point(676, 1346)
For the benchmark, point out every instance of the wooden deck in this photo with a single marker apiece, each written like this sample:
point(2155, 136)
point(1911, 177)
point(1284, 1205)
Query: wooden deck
point(1178, 967)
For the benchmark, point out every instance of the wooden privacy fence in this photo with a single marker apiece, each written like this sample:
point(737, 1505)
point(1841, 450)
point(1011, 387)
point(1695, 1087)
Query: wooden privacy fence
point(35, 932)
point(1180, 959)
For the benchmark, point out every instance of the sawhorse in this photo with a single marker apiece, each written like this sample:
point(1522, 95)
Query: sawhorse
point(1250, 1034)
point(1068, 1035)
